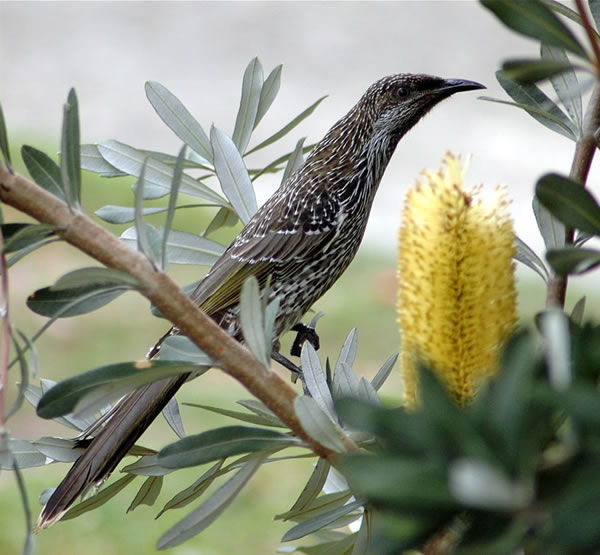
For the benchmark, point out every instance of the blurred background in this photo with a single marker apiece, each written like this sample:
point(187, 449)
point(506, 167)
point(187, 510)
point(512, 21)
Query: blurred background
point(199, 50)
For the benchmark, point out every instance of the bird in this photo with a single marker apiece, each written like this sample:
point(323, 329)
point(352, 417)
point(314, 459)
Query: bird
point(301, 240)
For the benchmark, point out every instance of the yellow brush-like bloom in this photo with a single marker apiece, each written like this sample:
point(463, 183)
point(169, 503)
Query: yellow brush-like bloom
point(457, 299)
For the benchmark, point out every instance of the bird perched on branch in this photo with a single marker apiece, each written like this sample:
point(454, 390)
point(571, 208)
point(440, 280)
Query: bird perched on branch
point(303, 237)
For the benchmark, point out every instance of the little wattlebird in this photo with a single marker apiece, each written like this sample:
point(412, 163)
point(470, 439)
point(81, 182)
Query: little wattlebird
point(303, 237)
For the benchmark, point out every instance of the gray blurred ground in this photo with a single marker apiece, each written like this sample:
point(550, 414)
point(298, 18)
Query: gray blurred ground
point(198, 50)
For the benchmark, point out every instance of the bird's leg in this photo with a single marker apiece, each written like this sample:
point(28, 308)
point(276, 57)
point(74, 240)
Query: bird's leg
point(295, 370)
point(304, 333)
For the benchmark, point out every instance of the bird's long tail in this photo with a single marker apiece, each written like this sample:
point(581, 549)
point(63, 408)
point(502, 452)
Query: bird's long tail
point(131, 416)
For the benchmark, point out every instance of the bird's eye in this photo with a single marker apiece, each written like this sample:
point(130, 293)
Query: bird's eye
point(402, 92)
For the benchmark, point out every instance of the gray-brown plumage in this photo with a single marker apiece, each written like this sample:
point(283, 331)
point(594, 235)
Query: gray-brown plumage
point(304, 237)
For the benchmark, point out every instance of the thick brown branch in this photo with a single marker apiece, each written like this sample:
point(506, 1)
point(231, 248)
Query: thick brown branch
point(81, 232)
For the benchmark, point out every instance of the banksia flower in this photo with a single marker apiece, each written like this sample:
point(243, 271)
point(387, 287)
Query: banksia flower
point(457, 299)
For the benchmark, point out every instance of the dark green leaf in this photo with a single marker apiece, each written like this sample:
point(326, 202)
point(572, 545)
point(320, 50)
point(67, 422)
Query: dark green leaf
point(95, 388)
point(531, 71)
point(4, 147)
point(319, 522)
point(578, 310)
point(246, 116)
point(233, 175)
point(535, 20)
point(551, 228)
point(70, 164)
point(104, 495)
point(573, 260)
point(158, 174)
point(18, 236)
point(527, 256)
point(95, 275)
point(191, 493)
point(213, 507)
point(287, 128)
point(310, 491)
point(148, 493)
point(569, 201)
point(147, 465)
point(172, 204)
point(72, 302)
point(43, 170)
point(268, 93)
point(565, 83)
point(561, 9)
point(219, 444)
point(170, 109)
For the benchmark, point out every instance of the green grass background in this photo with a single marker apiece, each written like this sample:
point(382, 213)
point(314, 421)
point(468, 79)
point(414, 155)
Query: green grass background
point(364, 298)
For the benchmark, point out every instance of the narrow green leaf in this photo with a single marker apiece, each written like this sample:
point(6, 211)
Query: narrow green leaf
point(213, 507)
point(148, 465)
point(525, 255)
point(191, 493)
point(531, 71)
point(345, 382)
point(310, 491)
point(58, 449)
point(148, 493)
point(554, 325)
point(315, 381)
point(185, 248)
point(383, 373)
point(478, 485)
point(24, 452)
point(93, 161)
point(318, 424)
point(594, 6)
point(4, 147)
point(348, 352)
point(579, 308)
point(275, 165)
point(573, 260)
point(146, 239)
point(170, 109)
point(173, 417)
point(252, 320)
point(295, 160)
point(220, 443)
point(18, 236)
point(535, 20)
point(321, 505)
point(569, 201)
point(178, 172)
point(259, 420)
point(233, 175)
point(158, 174)
point(246, 116)
point(551, 228)
point(95, 275)
point(287, 128)
point(124, 214)
point(538, 105)
point(43, 170)
point(271, 312)
point(269, 91)
point(181, 348)
point(104, 495)
point(320, 522)
point(24, 375)
point(561, 9)
point(367, 393)
point(565, 83)
point(65, 303)
point(223, 218)
point(70, 164)
point(89, 390)
point(547, 120)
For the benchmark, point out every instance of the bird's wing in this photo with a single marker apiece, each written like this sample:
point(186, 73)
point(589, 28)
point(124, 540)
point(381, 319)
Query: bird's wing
point(262, 250)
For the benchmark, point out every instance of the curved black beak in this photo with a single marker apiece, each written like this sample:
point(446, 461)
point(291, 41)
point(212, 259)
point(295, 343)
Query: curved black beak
point(451, 86)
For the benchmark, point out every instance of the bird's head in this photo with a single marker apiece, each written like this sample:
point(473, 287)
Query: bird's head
point(397, 102)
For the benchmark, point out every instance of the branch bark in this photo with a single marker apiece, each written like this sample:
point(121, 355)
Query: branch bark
point(84, 234)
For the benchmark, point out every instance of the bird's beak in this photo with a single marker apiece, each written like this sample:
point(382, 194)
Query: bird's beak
point(451, 86)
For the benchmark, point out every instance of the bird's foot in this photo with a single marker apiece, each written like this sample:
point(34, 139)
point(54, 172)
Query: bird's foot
point(304, 333)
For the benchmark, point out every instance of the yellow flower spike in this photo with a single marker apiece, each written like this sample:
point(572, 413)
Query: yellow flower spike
point(457, 298)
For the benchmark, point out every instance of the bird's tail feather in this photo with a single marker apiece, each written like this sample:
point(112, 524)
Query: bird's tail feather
point(130, 418)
